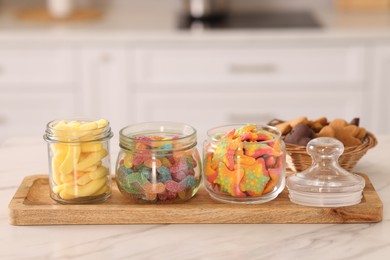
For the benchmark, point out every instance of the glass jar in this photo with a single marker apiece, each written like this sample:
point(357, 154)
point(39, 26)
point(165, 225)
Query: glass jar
point(244, 163)
point(158, 162)
point(79, 160)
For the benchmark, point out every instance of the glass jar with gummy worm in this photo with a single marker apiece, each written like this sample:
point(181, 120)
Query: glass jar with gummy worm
point(79, 160)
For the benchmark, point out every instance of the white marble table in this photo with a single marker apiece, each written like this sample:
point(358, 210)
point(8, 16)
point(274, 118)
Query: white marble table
point(21, 157)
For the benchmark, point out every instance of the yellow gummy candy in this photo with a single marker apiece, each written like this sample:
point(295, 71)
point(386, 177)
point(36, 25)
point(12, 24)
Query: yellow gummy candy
point(128, 160)
point(71, 159)
point(74, 124)
point(56, 163)
point(99, 173)
point(91, 159)
point(103, 190)
point(88, 126)
point(57, 189)
point(67, 178)
point(92, 168)
point(86, 190)
point(63, 128)
point(59, 148)
point(85, 130)
point(84, 179)
point(65, 195)
point(91, 147)
point(102, 123)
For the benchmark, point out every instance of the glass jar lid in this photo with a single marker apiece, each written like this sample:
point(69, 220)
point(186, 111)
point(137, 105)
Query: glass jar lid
point(325, 183)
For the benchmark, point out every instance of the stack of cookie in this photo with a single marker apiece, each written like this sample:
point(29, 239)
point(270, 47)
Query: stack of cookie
point(301, 130)
point(298, 132)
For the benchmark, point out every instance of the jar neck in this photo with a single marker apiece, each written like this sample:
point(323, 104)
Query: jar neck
point(219, 133)
point(158, 137)
point(174, 144)
point(59, 131)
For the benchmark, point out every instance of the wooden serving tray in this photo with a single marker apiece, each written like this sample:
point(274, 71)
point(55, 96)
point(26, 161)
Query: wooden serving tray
point(31, 205)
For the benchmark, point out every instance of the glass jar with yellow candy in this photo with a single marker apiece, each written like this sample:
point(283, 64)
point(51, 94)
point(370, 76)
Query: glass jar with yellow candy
point(79, 160)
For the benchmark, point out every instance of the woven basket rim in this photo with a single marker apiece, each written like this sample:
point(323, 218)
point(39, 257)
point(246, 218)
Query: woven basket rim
point(369, 142)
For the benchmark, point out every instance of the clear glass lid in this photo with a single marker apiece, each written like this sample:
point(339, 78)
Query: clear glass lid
point(325, 183)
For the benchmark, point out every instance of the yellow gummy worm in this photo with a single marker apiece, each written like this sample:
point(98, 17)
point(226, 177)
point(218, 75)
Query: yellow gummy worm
point(88, 126)
point(57, 189)
point(91, 147)
point(66, 129)
point(103, 190)
point(71, 159)
point(86, 190)
point(65, 195)
point(60, 148)
point(82, 157)
point(56, 163)
point(56, 170)
point(91, 159)
point(102, 123)
point(84, 179)
point(100, 172)
point(67, 178)
point(93, 167)
point(86, 129)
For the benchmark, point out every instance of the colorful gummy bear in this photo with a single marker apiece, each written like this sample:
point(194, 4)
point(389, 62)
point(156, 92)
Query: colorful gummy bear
point(154, 172)
point(244, 162)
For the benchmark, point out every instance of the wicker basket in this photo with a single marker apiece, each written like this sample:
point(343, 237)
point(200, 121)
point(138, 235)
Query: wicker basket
point(298, 159)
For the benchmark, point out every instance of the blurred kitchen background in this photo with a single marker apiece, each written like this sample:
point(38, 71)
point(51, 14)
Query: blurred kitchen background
point(205, 63)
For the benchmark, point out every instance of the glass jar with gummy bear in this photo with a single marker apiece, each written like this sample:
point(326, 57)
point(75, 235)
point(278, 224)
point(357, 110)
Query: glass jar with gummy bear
point(79, 160)
point(244, 163)
point(158, 162)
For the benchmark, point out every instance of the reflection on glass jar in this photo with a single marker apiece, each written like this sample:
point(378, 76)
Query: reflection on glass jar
point(158, 162)
point(244, 163)
point(79, 160)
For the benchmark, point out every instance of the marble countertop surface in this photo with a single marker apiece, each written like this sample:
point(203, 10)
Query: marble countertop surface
point(26, 156)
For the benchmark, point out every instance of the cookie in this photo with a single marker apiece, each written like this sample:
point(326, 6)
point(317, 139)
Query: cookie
point(349, 135)
point(316, 126)
point(338, 123)
point(322, 120)
point(355, 121)
point(362, 133)
point(285, 127)
point(346, 138)
point(301, 134)
point(299, 120)
point(275, 122)
point(327, 131)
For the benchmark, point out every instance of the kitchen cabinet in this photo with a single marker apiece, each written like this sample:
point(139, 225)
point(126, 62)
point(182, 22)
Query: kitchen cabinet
point(207, 110)
point(36, 85)
point(244, 65)
point(105, 90)
point(26, 114)
point(380, 93)
point(203, 83)
point(207, 86)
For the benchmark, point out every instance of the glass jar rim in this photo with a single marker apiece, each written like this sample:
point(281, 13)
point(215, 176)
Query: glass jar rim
point(276, 133)
point(51, 134)
point(156, 127)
